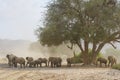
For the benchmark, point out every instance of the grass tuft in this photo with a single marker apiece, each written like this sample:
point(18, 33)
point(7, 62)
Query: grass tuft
point(117, 66)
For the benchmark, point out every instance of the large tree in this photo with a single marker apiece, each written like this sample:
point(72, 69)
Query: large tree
point(82, 23)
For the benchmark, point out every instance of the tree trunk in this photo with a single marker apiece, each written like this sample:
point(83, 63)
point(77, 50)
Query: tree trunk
point(93, 58)
point(86, 59)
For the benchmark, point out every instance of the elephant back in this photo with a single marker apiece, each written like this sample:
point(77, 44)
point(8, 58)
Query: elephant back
point(19, 60)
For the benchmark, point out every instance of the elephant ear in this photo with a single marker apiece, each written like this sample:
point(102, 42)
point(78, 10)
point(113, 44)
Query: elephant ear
point(7, 56)
point(14, 58)
point(26, 58)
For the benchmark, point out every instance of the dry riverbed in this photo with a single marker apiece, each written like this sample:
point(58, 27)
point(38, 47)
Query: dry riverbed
point(64, 73)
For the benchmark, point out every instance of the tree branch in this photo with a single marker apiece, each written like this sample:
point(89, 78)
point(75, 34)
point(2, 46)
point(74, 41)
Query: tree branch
point(94, 48)
point(108, 40)
point(79, 45)
point(70, 47)
point(99, 48)
point(117, 41)
point(112, 45)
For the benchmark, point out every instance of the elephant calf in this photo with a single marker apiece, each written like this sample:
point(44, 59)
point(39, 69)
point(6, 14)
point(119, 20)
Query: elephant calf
point(19, 60)
point(101, 61)
point(29, 59)
point(112, 60)
point(35, 63)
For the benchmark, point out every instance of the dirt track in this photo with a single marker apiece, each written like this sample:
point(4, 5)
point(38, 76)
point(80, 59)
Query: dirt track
point(74, 73)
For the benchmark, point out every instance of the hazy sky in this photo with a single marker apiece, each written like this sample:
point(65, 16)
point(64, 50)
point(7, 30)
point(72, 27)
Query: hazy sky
point(19, 18)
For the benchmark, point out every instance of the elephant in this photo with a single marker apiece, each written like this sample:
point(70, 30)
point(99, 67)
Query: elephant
point(35, 63)
point(43, 60)
point(29, 59)
point(111, 60)
point(73, 60)
point(10, 58)
point(55, 61)
point(59, 61)
point(69, 61)
point(19, 60)
point(101, 61)
point(32, 64)
point(50, 59)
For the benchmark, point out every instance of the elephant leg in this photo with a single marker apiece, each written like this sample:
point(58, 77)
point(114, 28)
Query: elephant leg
point(40, 64)
point(105, 64)
point(34, 65)
point(70, 64)
point(9, 64)
point(112, 64)
point(24, 65)
point(51, 64)
point(57, 65)
point(30, 65)
point(54, 65)
point(100, 64)
point(15, 65)
point(60, 64)
point(46, 64)
point(20, 65)
point(96, 64)
point(67, 65)
point(27, 64)
point(109, 64)
point(115, 62)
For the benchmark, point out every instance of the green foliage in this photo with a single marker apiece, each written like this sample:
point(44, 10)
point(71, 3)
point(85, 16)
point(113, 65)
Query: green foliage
point(77, 59)
point(117, 66)
point(99, 55)
point(73, 20)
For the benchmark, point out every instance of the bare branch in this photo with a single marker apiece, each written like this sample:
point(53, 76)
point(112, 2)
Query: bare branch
point(117, 41)
point(113, 45)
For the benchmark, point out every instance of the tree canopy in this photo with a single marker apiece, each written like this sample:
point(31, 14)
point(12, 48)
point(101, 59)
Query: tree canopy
point(82, 23)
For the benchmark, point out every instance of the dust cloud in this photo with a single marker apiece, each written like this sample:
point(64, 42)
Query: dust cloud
point(24, 49)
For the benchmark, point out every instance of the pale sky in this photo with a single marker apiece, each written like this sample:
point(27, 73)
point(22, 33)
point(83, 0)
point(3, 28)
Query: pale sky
point(19, 18)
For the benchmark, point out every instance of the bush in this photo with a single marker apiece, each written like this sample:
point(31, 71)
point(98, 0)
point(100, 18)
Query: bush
point(117, 66)
point(76, 60)
point(78, 57)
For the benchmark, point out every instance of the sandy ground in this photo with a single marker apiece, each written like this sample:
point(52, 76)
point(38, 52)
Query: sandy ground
point(64, 73)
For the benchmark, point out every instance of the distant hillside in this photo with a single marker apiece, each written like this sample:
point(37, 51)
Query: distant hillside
point(12, 46)
point(5, 43)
